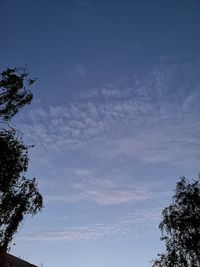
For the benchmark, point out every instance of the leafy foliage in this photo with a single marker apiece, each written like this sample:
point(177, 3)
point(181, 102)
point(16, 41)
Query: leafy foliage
point(180, 227)
point(18, 194)
point(13, 93)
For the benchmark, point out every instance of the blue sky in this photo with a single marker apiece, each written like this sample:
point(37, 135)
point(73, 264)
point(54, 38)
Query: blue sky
point(114, 120)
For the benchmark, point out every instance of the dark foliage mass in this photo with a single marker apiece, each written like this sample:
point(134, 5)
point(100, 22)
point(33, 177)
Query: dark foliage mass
point(13, 93)
point(180, 227)
point(18, 194)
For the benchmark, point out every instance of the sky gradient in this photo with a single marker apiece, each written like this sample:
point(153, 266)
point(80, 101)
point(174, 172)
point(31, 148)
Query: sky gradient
point(114, 120)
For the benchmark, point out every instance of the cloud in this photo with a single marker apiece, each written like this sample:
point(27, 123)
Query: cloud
point(109, 189)
point(80, 10)
point(107, 192)
point(102, 195)
point(78, 70)
point(155, 118)
point(92, 185)
point(177, 143)
point(139, 223)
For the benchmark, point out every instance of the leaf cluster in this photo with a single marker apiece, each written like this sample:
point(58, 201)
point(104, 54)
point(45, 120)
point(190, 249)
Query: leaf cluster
point(13, 93)
point(180, 227)
point(19, 195)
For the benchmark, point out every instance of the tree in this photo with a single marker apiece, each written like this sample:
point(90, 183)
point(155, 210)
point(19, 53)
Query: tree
point(180, 227)
point(13, 94)
point(18, 194)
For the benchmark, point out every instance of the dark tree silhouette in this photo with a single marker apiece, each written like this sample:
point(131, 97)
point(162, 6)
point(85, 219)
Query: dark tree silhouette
point(13, 93)
point(18, 194)
point(180, 227)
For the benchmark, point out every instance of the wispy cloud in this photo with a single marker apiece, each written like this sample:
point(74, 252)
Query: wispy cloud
point(78, 70)
point(175, 143)
point(125, 227)
point(81, 9)
point(155, 118)
point(104, 192)
point(107, 190)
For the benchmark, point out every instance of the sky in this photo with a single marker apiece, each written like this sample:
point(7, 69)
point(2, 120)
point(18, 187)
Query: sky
point(114, 120)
